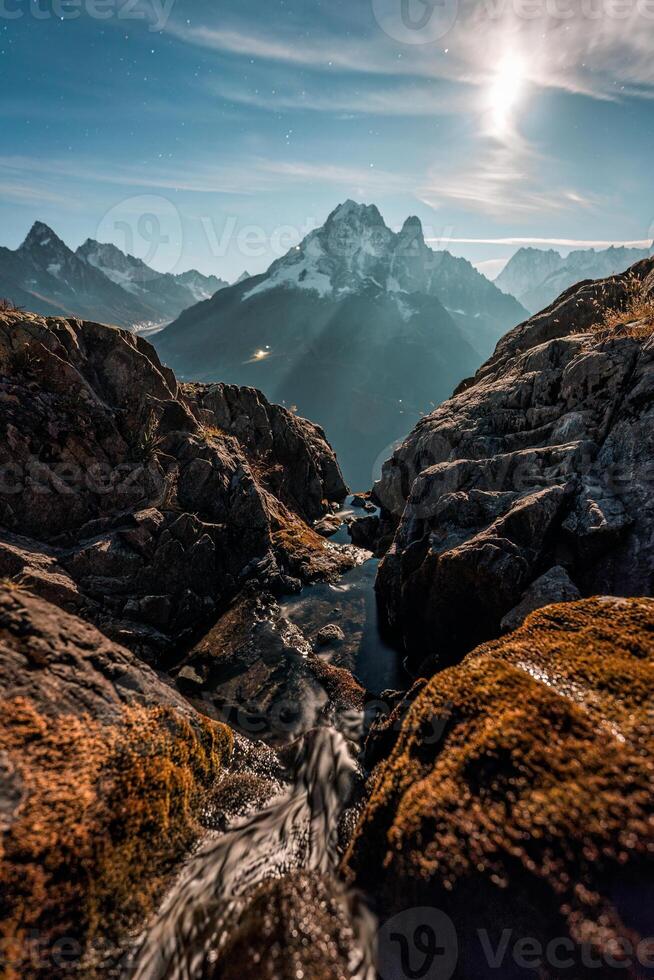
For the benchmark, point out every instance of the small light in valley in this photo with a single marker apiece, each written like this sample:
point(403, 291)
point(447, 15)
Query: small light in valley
point(260, 354)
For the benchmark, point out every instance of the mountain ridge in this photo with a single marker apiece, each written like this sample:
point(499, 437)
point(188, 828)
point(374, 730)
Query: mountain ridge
point(97, 281)
point(537, 276)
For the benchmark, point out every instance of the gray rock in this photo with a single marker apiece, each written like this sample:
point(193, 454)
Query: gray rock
point(553, 587)
point(545, 457)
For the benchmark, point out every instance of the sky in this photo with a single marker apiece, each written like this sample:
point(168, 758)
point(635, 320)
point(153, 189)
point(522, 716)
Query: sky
point(215, 133)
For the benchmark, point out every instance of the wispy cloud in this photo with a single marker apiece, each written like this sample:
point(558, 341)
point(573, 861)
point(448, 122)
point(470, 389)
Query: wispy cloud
point(578, 46)
point(561, 242)
point(32, 193)
point(508, 179)
point(246, 178)
point(365, 179)
point(407, 99)
point(320, 53)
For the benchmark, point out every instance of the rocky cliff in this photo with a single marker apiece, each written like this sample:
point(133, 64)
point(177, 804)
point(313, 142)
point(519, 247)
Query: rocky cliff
point(533, 483)
point(141, 505)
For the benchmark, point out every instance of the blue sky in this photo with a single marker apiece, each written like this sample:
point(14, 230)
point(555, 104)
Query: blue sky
point(213, 134)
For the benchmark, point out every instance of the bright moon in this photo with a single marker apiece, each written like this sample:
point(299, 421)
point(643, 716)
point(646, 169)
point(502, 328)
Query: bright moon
point(505, 92)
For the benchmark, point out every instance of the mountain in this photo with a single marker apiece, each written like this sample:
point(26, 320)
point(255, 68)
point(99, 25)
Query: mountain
point(243, 276)
point(46, 276)
point(167, 295)
point(537, 277)
point(528, 268)
point(352, 327)
point(97, 282)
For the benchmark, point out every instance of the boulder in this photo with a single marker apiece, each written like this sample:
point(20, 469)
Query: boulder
point(517, 798)
point(330, 635)
point(553, 587)
point(257, 671)
point(104, 770)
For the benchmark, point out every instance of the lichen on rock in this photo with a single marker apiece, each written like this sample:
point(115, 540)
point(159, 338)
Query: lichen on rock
point(105, 770)
point(520, 791)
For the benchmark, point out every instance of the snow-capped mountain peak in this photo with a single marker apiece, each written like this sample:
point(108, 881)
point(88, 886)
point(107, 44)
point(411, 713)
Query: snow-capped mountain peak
point(355, 252)
point(125, 270)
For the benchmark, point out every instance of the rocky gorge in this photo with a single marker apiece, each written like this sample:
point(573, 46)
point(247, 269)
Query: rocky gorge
point(203, 772)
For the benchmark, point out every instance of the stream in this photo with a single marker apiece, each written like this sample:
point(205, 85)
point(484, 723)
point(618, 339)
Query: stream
point(298, 830)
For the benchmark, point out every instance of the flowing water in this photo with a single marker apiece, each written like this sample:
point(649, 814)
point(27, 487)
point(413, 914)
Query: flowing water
point(299, 830)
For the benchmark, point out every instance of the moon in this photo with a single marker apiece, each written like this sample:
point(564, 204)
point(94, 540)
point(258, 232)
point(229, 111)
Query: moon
point(505, 93)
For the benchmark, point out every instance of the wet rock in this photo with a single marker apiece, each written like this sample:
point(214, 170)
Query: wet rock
point(529, 808)
point(330, 635)
point(555, 432)
point(328, 526)
point(298, 927)
point(553, 587)
point(364, 532)
point(257, 671)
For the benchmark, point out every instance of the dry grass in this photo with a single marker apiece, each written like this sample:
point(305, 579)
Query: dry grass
point(634, 317)
point(210, 432)
point(105, 813)
point(6, 306)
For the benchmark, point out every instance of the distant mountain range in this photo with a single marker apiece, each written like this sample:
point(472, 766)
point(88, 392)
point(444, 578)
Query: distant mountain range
point(362, 329)
point(536, 277)
point(97, 282)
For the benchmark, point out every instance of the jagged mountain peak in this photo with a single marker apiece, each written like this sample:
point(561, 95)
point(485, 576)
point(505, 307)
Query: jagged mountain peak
point(356, 253)
point(353, 212)
point(43, 236)
point(412, 224)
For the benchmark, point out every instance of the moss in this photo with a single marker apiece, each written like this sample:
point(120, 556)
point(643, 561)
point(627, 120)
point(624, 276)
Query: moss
point(106, 812)
point(302, 550)
point(537, 803)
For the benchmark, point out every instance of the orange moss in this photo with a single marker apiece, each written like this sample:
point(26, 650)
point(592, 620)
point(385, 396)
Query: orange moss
point(541, 790)
point(105, 813)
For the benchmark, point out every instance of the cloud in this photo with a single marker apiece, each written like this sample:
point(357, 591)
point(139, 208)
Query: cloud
point(490, 268)
point(507, 179)
point(408, 99)
point(33, 193)
point(320, 53)
point(245, 178)
point(562, 242)
point(363, 179)
point(600, 48)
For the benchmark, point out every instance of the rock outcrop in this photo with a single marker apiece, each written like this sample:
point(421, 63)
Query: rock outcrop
point(545, 458)
point(142, 505)
point(104, 770)
point(256, 670)
point(518, 799)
